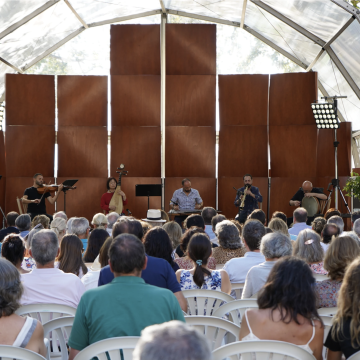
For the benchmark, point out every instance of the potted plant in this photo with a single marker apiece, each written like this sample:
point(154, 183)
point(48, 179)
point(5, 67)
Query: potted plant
point(352, 186)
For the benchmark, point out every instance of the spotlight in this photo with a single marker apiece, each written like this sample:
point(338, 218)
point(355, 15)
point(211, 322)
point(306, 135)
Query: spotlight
point(325, 115)
point(2, 115)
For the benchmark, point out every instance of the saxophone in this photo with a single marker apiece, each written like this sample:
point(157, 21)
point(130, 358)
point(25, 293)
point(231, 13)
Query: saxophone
point(242, 204)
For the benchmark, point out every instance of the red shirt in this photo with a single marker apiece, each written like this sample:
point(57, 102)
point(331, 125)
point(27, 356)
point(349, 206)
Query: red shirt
point(105, 201)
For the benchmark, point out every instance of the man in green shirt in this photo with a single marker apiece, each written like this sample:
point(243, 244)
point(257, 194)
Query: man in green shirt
point(125, 306)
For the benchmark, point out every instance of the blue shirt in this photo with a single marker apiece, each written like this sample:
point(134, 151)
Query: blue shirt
point(296, 228)
point(158, 272)
point(250, 203)
point(85, 242)
point(186, 201)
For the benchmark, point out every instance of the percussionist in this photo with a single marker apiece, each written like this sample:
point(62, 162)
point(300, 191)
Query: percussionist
point(306, 190)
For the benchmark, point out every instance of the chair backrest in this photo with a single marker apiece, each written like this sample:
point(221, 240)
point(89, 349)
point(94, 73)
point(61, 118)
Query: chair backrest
point(263, 349)
point(8, 352)
point(109, 349)
point(204, 302)
point(327, 320)
point(46, 312)
point(58, 331)
point(320, 277)
point(236, 309)
point(330, 311)
point(237, 289)
point(214, 329)
point(219, 266)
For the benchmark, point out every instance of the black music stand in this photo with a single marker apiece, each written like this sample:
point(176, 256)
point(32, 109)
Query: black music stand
point(68, 184)
point(148, 190)
point(1, 210)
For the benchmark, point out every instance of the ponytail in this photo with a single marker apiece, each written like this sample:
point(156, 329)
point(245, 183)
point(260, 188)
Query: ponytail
point(199, 272)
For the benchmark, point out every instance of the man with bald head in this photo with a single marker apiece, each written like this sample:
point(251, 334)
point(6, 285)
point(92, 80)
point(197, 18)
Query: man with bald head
point(306, 190)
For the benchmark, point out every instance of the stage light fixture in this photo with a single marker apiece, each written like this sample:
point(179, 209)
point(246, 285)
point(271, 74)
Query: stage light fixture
point(325, 115)
point(2, 115)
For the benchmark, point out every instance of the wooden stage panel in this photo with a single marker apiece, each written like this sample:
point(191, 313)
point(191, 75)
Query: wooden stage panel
point(205, 186)
point(190, 151)
point(243, 99)
point(82, 151)
point(82, 100)
point(135, 49)
point(29, 150)
point(30, 99)
point(135, 100)
point(190, 100)
point(2, 173)
point(243, 149)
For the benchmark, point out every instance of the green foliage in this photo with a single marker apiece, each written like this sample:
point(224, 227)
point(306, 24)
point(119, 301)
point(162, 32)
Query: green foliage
point(51, 65)
point(353, 184)
point(354, 3)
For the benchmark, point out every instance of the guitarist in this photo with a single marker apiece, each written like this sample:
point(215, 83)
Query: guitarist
point(106, 198)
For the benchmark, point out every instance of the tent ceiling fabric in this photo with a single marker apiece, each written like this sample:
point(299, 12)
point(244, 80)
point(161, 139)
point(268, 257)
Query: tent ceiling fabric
point(320, 35)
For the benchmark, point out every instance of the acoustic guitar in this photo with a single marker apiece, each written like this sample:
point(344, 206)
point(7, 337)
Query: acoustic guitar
point(117, 200)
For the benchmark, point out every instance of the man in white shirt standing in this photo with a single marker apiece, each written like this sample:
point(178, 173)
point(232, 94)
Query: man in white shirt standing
point(207, 214)
point(45, 284)
point(300, 217)
point(237, 268)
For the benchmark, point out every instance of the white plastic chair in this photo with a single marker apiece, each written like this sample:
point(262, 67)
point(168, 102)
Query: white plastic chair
point(261, 350)
point(8, 352)
point(356, 356)
point(237, 288)
point(46, 312)
point(214, 329)
point(236, 309)
point(331, 311)
point(320, 277)
point(204, 302)
point(58, 331)
point(219, 266)
point(110, 347)
point(327, 320)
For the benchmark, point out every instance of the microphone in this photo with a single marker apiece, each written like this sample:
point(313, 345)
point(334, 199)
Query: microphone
point(175, 203)
point(129, 212)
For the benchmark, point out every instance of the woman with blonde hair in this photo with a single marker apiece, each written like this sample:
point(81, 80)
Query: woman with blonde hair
point(344, 335)
point(41, 219)
point(58, 226)
point(342, 251)
point(99, 221)
point(174, 231)
point(307, 247)
point(278, 225)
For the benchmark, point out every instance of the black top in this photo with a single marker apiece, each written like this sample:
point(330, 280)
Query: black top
point(7, 231)
point(300, 194)
point(342, 344)
point(33, 194)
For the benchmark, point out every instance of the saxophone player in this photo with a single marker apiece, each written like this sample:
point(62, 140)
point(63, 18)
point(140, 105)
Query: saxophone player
point(252, 197)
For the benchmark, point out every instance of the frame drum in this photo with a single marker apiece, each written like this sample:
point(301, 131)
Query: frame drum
point(311, 204)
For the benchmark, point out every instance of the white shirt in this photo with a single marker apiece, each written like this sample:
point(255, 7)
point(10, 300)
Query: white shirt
point(237, 268)
point(324, 246)
point(298, 227)
point(51, 286)
point(91, 279)
point(212, 236)
point(109, 231)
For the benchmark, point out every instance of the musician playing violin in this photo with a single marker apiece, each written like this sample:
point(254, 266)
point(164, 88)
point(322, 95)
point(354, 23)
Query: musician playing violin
point(306, 190)
point(36, 200)
point(106, 197)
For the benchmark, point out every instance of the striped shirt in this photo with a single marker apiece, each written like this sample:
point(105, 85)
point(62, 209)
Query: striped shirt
point(186, 201)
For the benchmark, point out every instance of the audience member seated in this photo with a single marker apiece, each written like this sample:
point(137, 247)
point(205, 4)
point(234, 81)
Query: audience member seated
point(91, 278)
point(278, 225)
point(337, 220)
point(273, 246)
point(17, 331)
point(200, 276)
point(172, 340)
point(299, 222)
point(23, 223)
point(329, 231)
point(60, 214)
point(164, 215)
point(128, 304)
point(154, 218)
point(99, 221)
point(356, 227)
point(280, 215)
point(230, 242)
point(207, 214)
point(145, 226)
point(158, 271)
point(96, 240)
point(70, 258)
point(13, 249)
point(331, 212)
point(45, 284)
point(318, 224)
point(68, 225)
point(352, 234)
point(307, 247)
point(287, 310)
point(343, 337)
point(58, 226)
point(354, 216)
point(237, 224)
point(185, 262)
point(342, 251)
point(174, 231)
point(41, 219)
point(80, 227)
point(112, 218)
point(214, 221)
point(157, 244)
point(28, 262)
point(237, 268)
point(258, 214)
point(10, 222)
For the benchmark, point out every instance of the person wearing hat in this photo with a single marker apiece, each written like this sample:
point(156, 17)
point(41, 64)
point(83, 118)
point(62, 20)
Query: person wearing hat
point(100, 221)
point(153, 217)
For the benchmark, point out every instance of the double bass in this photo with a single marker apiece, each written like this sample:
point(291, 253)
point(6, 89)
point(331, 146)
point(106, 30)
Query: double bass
point(117, 200)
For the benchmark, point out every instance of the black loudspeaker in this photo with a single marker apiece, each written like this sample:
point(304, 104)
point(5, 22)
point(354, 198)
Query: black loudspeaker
point(356, 203)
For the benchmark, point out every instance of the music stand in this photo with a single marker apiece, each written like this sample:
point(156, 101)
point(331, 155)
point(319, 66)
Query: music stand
point(148, 190)
point(1, 210)
point(68, 184)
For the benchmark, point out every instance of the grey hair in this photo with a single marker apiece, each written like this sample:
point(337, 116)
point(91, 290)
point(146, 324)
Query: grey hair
point(312, 252)
point(69, 223)
point(31, 235)
point(79, 226)
point(11, 288)
point(58, 225)
point(60, 214)
point(275, 245)
point(228, 235)
point(112, 218)
point(173, 340)
point(337, 220)
point(356, 227)
point(23, 222)
point(44, 246)
point(352, 234)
